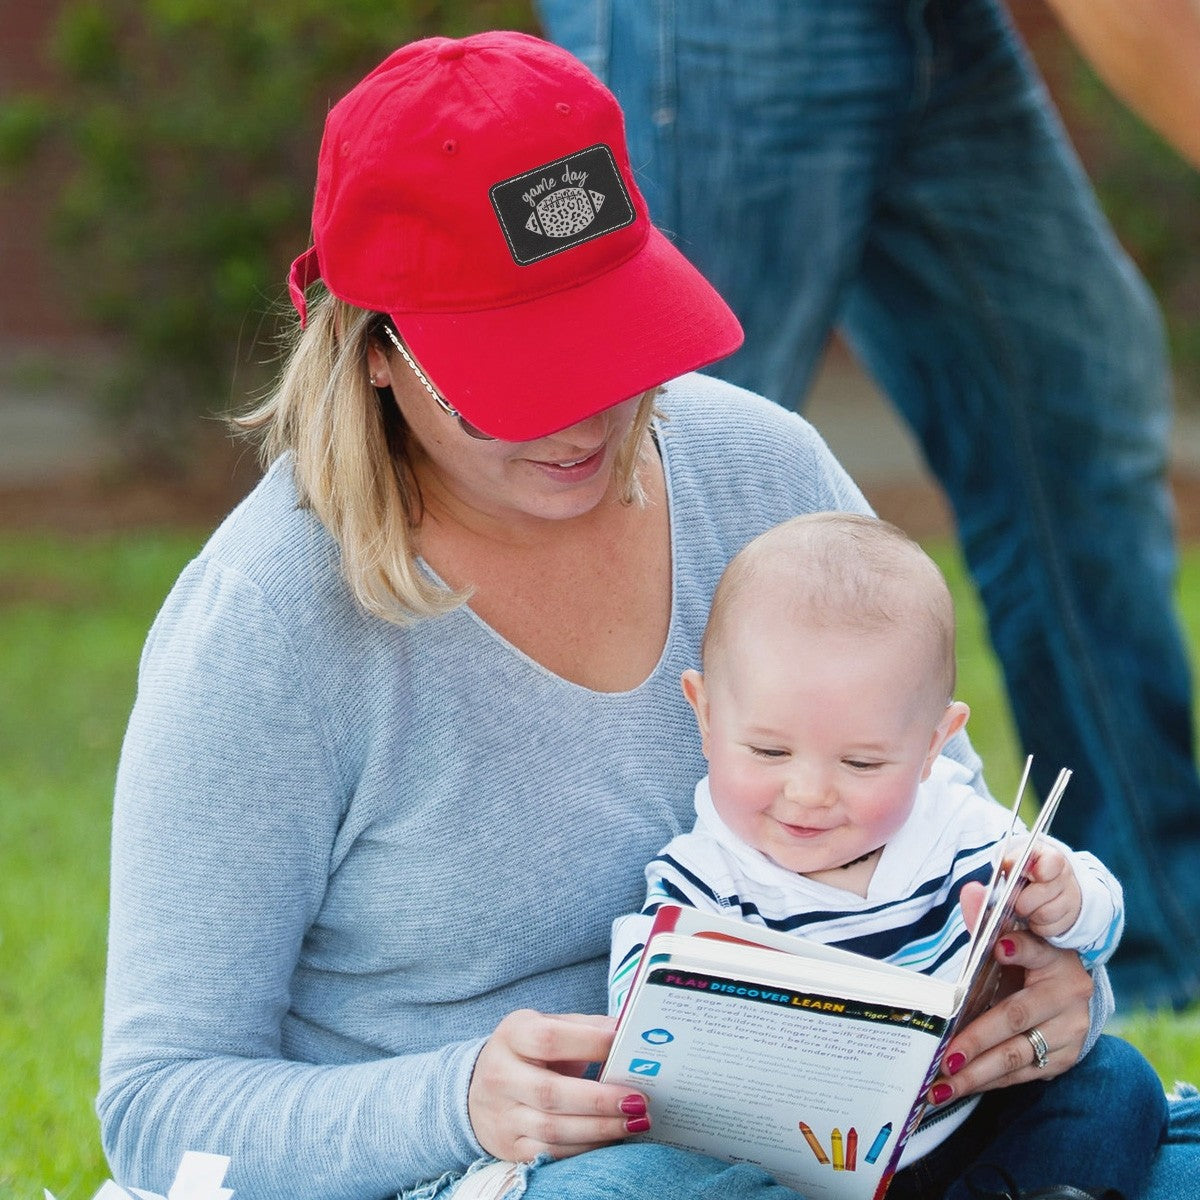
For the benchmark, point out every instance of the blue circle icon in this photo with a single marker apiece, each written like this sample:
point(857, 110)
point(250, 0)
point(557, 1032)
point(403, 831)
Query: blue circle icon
point(658, 1037)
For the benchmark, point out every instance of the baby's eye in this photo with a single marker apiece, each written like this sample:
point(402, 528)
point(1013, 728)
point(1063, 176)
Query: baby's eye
point(767, 752)
point(862, 764)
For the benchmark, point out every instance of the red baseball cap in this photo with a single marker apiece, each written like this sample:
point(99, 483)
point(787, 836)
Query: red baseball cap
point(479, 192)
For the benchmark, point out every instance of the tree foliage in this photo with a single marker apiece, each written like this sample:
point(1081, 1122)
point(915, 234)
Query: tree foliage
point(1152, 197)
point(185, 134)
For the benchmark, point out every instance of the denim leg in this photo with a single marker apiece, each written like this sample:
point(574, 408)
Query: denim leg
point(895, 165)
point(1098, 1126)
point(997, 310)
point(643, 1171)
point(1176, 1170)
point(757, 132)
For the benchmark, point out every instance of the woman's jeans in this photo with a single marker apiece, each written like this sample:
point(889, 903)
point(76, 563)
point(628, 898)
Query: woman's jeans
point(1095, 1127)
point(1176, 1170)
point(894, 167)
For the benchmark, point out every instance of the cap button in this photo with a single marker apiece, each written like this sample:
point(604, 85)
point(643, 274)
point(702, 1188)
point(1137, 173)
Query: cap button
point(451, 52)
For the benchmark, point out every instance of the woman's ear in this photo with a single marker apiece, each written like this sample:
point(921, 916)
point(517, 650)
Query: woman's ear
point(695, 694)
point(953, 719)
point(379, 367)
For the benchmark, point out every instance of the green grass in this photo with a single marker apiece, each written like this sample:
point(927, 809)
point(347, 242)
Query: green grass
point(1172, 1044)
point(73, 615)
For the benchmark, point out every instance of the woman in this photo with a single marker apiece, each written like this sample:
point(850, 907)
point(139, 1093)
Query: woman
point(409, 724)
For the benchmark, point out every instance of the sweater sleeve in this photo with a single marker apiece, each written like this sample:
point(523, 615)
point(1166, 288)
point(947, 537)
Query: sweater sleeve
point(228, 802)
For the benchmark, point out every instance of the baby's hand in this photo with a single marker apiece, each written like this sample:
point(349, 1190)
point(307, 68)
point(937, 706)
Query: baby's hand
point(1050, 900)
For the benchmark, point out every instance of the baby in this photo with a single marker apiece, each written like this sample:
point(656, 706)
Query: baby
point(829, 810)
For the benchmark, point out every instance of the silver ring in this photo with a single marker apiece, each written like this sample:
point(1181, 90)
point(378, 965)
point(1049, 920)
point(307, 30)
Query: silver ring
point(1041, 1051)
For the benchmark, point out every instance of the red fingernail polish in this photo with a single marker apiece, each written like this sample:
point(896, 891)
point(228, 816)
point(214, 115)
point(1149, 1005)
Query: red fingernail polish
point(1008, 947)
point(633, 1106)
point(637, 1124)
point(941, 1093)
point(954, 1063)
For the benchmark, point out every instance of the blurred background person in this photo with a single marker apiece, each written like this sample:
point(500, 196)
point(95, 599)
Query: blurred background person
point(895, 169)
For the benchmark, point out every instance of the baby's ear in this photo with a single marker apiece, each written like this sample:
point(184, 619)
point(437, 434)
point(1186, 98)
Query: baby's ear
point(953, 719)
point(695, 693)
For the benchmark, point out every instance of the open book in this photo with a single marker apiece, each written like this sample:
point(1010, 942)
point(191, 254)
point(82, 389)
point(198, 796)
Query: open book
point(806, 1060)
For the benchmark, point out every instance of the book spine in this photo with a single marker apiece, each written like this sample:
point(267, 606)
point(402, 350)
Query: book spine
point(914, 1115)
point(665, 921)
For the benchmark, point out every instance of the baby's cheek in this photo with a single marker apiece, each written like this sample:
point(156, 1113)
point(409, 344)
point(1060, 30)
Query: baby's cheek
point(888, 810)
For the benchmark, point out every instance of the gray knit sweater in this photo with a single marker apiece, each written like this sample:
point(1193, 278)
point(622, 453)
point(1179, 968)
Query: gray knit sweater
point(343, 850)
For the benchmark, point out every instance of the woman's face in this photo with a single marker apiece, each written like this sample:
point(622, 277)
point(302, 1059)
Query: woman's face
point(557, 477)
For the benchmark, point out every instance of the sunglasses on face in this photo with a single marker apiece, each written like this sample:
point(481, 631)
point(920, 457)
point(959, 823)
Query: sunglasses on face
point(470, 430)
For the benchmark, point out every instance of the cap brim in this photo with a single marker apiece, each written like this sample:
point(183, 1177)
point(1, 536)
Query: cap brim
point(530, 369)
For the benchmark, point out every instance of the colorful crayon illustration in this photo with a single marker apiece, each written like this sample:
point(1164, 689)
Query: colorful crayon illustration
point(811, 1139)
point(852, 1149)
point(839, 1160)
point(880, 1141)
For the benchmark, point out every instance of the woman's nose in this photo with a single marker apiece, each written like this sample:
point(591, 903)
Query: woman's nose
point(589, 428)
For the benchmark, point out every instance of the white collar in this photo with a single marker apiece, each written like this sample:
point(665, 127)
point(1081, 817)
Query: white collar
point(900, 863)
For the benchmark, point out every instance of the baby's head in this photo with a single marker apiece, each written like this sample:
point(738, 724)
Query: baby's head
point(838, 571)
point(827, 688)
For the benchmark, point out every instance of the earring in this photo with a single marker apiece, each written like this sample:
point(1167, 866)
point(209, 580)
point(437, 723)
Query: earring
point(374, 381)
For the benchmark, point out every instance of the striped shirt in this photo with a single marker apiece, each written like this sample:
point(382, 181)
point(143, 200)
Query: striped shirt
point(910, 915)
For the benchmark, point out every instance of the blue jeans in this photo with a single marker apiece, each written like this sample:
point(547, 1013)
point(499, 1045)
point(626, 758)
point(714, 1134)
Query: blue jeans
point(1095, 1127)
point(1177, 1166)
point(1098, 1126)
point(894, 167)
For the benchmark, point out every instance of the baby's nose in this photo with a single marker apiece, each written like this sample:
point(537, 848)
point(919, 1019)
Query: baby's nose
point(809, 786)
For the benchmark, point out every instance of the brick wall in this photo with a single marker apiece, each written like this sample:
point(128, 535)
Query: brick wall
point(31, 298)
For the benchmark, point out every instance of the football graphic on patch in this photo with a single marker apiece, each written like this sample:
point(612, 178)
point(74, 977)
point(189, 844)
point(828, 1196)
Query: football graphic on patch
point(564, 213)
point(561, 204)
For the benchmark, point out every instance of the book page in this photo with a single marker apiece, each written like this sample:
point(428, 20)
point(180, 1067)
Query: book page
point(814, 1089)
point(982, 975)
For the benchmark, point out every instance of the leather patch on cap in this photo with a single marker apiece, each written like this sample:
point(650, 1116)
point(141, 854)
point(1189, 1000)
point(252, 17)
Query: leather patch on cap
point(562, 204)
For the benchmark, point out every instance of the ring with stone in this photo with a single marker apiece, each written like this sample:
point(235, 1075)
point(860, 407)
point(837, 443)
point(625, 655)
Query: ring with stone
point(1041, 1052)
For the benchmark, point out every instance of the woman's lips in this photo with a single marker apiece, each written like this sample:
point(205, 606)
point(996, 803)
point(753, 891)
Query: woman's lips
point(572, 470)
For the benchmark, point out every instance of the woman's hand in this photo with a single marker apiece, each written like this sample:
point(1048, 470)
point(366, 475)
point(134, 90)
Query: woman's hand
point(994, 1051)
point(527, 1095)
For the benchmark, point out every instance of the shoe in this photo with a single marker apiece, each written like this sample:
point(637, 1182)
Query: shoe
point(1012, 1192)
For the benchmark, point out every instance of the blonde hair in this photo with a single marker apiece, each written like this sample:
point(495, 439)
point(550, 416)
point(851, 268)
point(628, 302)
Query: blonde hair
point(351, 458)
point(839, 570)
